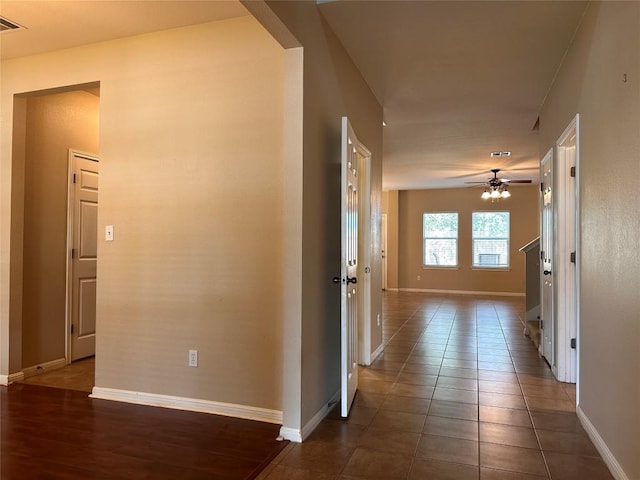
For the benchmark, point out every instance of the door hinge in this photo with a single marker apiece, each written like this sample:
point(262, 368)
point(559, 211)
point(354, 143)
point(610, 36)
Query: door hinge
point(73, 253)
point(75, 180)
point(542, 255)
point(541, 325)
point(541, 187)
point(573, 343)
point(72, 329)
point(572, 257)
point(572, 172)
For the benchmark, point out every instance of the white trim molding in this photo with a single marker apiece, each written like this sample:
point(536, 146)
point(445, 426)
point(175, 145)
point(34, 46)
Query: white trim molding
point(377, 353)
point(12, 377)
point(190, 404)
point(44, 367)
point(614, 467)
point(462, 292)
point(291, 434)
point(298, 436)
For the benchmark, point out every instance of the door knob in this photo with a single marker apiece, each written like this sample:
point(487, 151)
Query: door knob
point(547, 272)
point(349, 280)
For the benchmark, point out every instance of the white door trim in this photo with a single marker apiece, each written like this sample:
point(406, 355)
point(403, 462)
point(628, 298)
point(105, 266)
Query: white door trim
point(69, 271)
point(365, 260)
point(566, 273)
point(383, 253)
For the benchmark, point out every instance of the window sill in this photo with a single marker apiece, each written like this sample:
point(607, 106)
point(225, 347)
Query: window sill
point(440, 267)
point(492, 269)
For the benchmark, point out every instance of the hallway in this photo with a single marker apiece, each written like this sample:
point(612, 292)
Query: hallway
point(459, 393)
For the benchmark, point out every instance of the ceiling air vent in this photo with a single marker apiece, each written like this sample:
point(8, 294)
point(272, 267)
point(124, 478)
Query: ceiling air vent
point(6, 25)
point(500, 154)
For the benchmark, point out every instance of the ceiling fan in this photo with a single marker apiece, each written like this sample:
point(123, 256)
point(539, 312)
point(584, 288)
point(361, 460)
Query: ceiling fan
point(496, 182)
point(496, 188)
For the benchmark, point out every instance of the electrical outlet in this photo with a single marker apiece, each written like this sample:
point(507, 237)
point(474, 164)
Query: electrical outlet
point(418, 277)
point(193, 358)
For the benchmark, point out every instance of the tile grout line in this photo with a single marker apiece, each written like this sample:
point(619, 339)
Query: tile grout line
point(535, 432)
point(478, 385)
point(415, 450)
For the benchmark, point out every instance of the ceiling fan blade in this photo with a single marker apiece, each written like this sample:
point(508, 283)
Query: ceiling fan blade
point(482, 183)
point(518, 181)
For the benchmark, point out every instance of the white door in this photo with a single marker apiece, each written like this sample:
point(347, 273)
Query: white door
point(546, 253)
point(383, 242)
point(83, 219)
point(349, 267)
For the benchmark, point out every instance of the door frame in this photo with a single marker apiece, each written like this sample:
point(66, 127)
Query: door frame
point(567, 279)
point(69, 270)
point(365, 256)
point(383, 240)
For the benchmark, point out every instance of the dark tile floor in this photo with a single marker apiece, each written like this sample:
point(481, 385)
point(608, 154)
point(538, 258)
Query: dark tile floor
point(459, 393)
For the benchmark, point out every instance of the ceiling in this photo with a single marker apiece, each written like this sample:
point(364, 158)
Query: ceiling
point(57, 24)
point(457, 79)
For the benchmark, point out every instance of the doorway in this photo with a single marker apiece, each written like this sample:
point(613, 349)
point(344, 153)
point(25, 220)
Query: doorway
point(82, 232)
point(366, 254)
point(560, 255)
point(567, 253)
point(46, 125)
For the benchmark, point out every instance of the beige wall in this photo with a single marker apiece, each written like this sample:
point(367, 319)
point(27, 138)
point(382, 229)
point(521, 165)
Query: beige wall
point(192, 178)
point(333, 87)
point(591, 83)
point(412, 204)
point(54, 124)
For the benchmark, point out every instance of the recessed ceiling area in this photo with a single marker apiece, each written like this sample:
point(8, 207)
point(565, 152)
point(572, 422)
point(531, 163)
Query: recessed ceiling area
point(457, 80)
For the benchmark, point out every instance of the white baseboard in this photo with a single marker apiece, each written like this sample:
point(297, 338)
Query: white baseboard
point(12, 377)
point(462, 292)
point(291, 434)
point(298, 436)
point(614, 467)
point(391, 289)
point(377, 353)
point(44, 367)
point(190, 404)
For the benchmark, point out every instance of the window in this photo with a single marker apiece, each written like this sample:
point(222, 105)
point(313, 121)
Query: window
point(440, 235)
point(490, 239)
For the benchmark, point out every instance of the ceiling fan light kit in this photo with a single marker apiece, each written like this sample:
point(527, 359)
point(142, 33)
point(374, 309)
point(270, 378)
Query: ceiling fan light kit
point(496, 188)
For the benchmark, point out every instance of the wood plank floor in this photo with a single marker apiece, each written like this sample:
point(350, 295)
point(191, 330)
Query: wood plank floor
point(51, 433)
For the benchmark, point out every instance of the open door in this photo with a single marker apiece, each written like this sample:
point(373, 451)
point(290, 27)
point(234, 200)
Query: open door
point(83, 233)
point(547, 323)
point(349, 267)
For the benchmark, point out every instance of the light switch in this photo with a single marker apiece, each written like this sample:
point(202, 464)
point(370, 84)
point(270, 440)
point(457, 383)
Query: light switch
point(108, 233)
